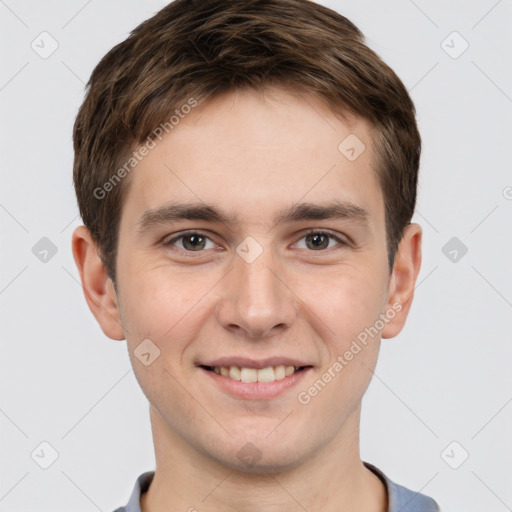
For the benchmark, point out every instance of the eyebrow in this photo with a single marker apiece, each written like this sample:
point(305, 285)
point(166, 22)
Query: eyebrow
point(174, 211)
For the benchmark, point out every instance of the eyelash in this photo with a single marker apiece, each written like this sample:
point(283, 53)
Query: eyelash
point(170, 243)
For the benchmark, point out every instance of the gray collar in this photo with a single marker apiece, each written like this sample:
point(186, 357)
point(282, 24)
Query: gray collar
point(400, 499)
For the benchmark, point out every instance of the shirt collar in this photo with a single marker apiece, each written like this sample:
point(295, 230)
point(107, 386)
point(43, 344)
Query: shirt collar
point(399, 498)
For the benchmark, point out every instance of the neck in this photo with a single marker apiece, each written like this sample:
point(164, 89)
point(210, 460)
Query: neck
point(333, 478)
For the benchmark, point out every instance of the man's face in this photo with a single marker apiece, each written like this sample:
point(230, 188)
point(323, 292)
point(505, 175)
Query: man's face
point(256, 288)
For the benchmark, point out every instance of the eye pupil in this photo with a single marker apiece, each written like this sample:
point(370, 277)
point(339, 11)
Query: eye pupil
point(320, 241)
point(196, 241)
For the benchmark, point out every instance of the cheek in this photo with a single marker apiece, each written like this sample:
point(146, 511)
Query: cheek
point(160, 302)
point(348, 310)
point(348, 301)
point(159, 307)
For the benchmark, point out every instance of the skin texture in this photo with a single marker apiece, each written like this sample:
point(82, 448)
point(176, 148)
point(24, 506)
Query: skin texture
point(252, 154)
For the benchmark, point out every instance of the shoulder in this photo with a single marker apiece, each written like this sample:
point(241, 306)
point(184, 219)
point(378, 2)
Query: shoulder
point(406, 500)
point(403, 499)
point(140, 487)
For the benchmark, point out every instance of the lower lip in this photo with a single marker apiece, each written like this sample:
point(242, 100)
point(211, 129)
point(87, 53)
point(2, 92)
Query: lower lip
point(256, 390)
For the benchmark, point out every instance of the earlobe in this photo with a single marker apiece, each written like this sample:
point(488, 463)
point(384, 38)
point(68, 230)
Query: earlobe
point(97, 286)
point(403, 280)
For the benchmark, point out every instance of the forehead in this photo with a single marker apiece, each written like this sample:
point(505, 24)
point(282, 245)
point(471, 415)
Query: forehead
point(258, 151)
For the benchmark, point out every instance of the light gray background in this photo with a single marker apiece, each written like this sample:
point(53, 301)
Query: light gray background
point(446, 377)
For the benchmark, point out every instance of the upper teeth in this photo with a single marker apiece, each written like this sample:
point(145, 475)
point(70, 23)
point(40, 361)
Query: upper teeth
point(268, 374)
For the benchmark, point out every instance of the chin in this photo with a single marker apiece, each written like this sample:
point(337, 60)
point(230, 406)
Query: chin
point(273, 464)
point(261, 455)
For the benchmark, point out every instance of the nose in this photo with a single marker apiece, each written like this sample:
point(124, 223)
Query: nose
point(256, 300)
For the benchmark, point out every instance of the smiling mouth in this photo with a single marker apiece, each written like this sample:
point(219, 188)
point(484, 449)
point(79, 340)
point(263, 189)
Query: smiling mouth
point(249, 375)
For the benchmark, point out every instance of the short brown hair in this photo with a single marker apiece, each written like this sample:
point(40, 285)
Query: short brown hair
point(196, 49)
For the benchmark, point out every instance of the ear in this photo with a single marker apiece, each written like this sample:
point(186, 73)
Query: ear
point(403, 280)
point(97, 286)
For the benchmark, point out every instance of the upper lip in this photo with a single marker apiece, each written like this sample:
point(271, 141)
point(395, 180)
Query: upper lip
point(248, 362)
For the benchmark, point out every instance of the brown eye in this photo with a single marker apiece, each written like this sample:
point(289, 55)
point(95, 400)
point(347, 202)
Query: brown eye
point(320, 240)
point(191, 242)
point(317, 241)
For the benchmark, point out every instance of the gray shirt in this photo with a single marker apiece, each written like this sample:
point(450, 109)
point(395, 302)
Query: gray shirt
point(400, 498)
